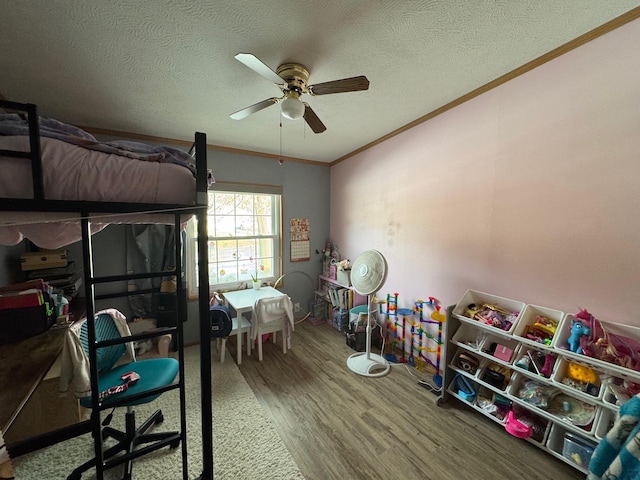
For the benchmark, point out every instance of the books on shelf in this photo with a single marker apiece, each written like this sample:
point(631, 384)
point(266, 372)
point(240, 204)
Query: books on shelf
point(21, 299)
point(54, 273)
point(67, 278)
point(340, 297)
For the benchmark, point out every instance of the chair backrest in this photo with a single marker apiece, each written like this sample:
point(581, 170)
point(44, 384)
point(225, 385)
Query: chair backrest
point(221, 322)
point(273, 309)
point(105, 330)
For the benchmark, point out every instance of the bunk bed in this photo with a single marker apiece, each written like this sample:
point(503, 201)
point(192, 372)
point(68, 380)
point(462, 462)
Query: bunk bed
point(59, 185)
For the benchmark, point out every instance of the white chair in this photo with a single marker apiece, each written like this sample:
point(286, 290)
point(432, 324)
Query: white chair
point(272, 315)
point(245, 325)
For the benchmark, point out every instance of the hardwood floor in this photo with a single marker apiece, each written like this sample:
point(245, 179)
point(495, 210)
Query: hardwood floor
point(340, 425)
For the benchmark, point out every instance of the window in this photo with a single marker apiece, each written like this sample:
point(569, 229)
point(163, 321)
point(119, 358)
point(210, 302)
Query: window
point(244, 229)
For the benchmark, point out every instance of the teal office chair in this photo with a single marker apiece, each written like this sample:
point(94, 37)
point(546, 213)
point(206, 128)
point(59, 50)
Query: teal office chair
point(153, 373)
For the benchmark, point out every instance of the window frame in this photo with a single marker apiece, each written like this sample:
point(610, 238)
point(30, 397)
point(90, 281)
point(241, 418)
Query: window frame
point(192, 257)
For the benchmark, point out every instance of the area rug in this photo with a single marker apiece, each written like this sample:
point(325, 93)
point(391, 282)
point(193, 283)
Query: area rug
point(246, 444)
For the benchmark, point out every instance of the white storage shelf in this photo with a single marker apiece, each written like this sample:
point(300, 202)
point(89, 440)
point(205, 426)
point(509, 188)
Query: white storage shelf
point(474, 339)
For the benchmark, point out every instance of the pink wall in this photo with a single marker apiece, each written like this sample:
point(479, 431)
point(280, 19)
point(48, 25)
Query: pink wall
point(529, 191)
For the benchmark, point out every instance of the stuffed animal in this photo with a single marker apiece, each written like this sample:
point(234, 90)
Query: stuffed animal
point(578, 329)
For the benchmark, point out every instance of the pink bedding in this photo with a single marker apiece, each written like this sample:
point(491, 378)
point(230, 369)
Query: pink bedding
point(75, 173)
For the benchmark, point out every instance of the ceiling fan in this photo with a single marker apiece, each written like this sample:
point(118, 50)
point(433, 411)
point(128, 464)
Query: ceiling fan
point(291, 79)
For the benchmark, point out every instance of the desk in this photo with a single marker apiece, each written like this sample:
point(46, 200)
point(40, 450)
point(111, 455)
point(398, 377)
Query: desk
point(242, 301)
point(23, 365)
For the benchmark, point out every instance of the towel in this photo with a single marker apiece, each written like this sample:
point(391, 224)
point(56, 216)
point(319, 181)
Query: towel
point(74, 367)
point(617, 457)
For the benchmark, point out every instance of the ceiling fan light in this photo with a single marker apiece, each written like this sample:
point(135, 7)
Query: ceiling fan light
point(292, 108)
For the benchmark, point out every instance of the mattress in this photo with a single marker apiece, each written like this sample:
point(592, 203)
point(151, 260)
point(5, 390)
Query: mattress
point(73, 172)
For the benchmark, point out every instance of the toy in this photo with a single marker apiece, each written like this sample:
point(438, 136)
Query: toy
point(547, 368)
point(437, 318)
point(581, 373)
point(578, 330)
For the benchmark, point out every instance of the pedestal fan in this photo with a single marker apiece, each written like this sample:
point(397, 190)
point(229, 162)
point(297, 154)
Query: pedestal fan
point(368, 273)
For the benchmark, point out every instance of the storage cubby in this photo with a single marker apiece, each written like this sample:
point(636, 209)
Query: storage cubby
point(574, 418)
point(464, 388)
point(585, 380)
point(500, 348)
point(605, 422)
point(539, 426)
point(473, 303)
point(492, 404)
point(569, 447)
point(467, 361)
point(538, 325)
point(535, 361)
point(469, 337)
point(495, 374)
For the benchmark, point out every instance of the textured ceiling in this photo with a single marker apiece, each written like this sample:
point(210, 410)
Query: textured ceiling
point(166, 68)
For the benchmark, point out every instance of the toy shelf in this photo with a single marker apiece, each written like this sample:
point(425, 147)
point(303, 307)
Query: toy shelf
point(476, 346)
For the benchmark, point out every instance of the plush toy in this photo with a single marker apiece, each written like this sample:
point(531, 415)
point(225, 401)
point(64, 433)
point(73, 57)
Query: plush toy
point(578, 329)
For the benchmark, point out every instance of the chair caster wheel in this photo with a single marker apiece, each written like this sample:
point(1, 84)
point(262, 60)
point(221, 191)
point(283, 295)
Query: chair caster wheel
point(74, 476)
point(159, 419)
point(174, 445)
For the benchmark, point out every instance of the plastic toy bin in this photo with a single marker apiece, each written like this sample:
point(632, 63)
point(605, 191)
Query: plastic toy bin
point(581, 416)
point(616, 392)
point(479, 298)
point(586, 380)
point(501, 348)
point(467, 362)
point(494, 374)
point(469, 336)
point(458, 386)
point(528, 319)
point(538, 426)
point(563, 333)
point(577, 449)
point(541, 360)
point(605, 422)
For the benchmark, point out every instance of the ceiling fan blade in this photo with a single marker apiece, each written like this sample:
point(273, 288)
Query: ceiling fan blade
point(258, 66)
point(245, 112)
point(352, 84)
point(312, 120)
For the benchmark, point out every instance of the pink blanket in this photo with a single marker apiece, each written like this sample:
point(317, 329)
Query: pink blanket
point(75, 173)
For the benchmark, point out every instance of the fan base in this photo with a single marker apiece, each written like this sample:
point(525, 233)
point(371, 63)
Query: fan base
point(369, 365)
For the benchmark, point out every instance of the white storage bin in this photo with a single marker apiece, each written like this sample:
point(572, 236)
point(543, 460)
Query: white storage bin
point(487, 377)
point(479, 298)
point(560, 339)
point(605, 422)
point(469, 336)
point(503, 349)
point(616, 391)
point(493, 404)
point(588, 387)
point(557, 445)
point(455, 388)
point(579, 414)
point(467, 361)
point(540, 425)
point(545, 361)
point(528, 322)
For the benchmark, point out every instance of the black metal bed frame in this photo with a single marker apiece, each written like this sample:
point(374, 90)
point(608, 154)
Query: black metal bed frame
point(86, 208)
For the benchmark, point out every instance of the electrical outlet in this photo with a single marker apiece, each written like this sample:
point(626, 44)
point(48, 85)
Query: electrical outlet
point(296, 307)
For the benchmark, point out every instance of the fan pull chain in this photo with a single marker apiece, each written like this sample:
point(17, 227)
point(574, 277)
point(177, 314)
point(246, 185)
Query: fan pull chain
point(280, 160)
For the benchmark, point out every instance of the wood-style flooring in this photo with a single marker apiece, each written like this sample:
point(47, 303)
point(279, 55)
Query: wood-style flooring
point(340, 425)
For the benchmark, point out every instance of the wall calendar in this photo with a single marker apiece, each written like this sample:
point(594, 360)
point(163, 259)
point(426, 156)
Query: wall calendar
point(300, 239)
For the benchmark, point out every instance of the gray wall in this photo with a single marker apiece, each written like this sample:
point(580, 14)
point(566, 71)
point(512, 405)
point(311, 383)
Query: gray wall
point(10, 271)
point(305, 195)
